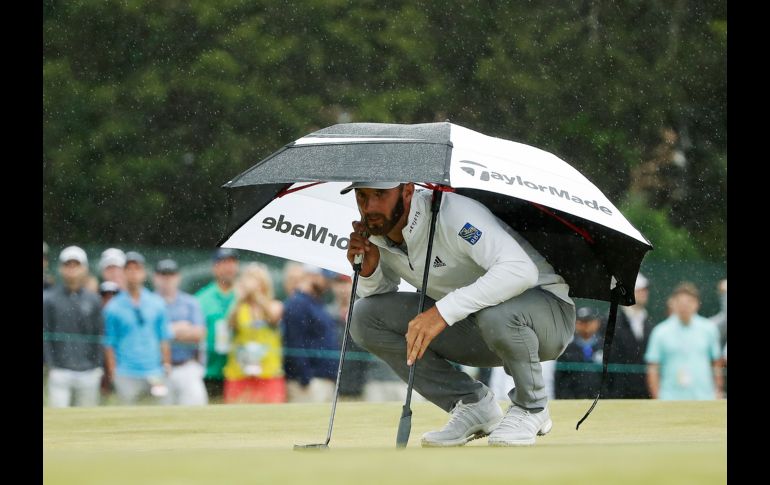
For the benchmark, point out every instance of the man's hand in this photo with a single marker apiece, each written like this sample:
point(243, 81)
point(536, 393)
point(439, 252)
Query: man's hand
point(422, 330)
point(361, 245)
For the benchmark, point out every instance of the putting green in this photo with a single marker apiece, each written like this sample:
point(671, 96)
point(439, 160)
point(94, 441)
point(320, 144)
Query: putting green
point(623, 441)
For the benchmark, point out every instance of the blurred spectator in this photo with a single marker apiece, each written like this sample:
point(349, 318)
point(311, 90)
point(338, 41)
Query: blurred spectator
point(354, 374)
point(576, 377)
point(215, 300)
point(185, 382)
point(48, 280)
point(107, 290)
point(311, 339)
point(92, 283)
point(683, 355)
point(137, 334)
point(111, 266)
point(669, 306)
point(632, 332)
point(73, 326)
point(720, 319)
point(292, 274)
point(254, 369)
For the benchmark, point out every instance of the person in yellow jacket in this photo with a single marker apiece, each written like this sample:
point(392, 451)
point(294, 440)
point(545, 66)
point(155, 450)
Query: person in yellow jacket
point(254, 369)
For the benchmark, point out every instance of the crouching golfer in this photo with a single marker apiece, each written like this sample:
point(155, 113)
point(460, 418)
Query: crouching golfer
point(492, 300)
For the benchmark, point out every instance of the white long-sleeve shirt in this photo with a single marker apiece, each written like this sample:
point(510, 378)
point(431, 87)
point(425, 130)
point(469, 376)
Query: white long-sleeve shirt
point(477, 260)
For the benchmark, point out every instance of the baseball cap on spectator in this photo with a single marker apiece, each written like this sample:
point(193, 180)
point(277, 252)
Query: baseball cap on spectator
point(587, 313)
point(112, 257)
point(73, 253)
point(641, 282)
point(224, 253)
point(134, 257)
point(108, 287)
point(167, 266)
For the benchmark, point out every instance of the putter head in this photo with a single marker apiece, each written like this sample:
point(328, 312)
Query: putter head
point(404, 428)
point(315, 446)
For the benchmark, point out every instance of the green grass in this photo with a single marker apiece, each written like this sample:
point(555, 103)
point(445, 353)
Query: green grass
point(622, 442)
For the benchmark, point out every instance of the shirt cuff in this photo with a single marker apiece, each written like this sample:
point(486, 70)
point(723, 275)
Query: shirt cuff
point(449, 310)
point(374, 276)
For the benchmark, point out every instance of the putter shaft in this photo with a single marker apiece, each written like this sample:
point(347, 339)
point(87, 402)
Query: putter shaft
point(357, 269)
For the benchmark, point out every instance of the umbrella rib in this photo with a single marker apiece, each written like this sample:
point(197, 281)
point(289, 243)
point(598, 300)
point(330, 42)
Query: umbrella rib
point(567, 223)
point(331, 141)
point(442, 188)
point(288, 190)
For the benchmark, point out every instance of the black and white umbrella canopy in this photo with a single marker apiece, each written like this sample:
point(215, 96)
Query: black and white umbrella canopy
point(279, 207)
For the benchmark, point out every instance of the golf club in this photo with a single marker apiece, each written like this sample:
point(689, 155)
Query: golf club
point(322, 446)
point(405, 423)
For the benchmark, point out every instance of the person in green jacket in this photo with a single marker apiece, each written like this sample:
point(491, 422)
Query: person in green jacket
point(215, 300)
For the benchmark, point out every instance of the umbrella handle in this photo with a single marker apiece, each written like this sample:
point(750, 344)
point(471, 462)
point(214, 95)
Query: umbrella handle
point(617, 293)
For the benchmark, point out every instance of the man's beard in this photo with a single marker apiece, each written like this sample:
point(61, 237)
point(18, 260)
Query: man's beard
point(388, 223)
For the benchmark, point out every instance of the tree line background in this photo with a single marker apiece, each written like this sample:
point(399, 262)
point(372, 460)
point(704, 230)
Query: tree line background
point(149, 106)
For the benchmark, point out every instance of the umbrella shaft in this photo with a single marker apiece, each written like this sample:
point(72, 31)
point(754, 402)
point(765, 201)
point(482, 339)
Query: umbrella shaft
point(435, 204)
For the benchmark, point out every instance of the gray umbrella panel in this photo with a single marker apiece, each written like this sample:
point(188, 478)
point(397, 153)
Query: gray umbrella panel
point(388, 149)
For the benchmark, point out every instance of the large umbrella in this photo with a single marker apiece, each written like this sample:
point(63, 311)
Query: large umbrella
point(557, 209)
point(289, 204)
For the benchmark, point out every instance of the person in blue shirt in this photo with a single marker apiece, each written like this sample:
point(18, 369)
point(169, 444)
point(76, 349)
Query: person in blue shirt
point(683, 357)
point(185, 382)
point(310, 339)
point(136, 338)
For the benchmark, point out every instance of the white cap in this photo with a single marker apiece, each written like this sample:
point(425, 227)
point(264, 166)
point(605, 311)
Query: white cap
point(73, 253)
point(112, 257)
point(370, 185)
point(641, 282)
point(109, 287)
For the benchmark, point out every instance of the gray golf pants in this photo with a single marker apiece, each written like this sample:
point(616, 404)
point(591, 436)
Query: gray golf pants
point(517, 334)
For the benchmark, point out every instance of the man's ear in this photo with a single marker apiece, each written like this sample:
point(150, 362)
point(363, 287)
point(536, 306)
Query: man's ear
point(408, 192)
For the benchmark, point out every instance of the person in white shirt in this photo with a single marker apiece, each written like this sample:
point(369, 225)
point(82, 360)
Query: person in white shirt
point(492, 300)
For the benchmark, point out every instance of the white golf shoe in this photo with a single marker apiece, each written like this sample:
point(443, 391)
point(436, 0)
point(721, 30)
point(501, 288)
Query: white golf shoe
point(467, 422)
point(519, 427)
